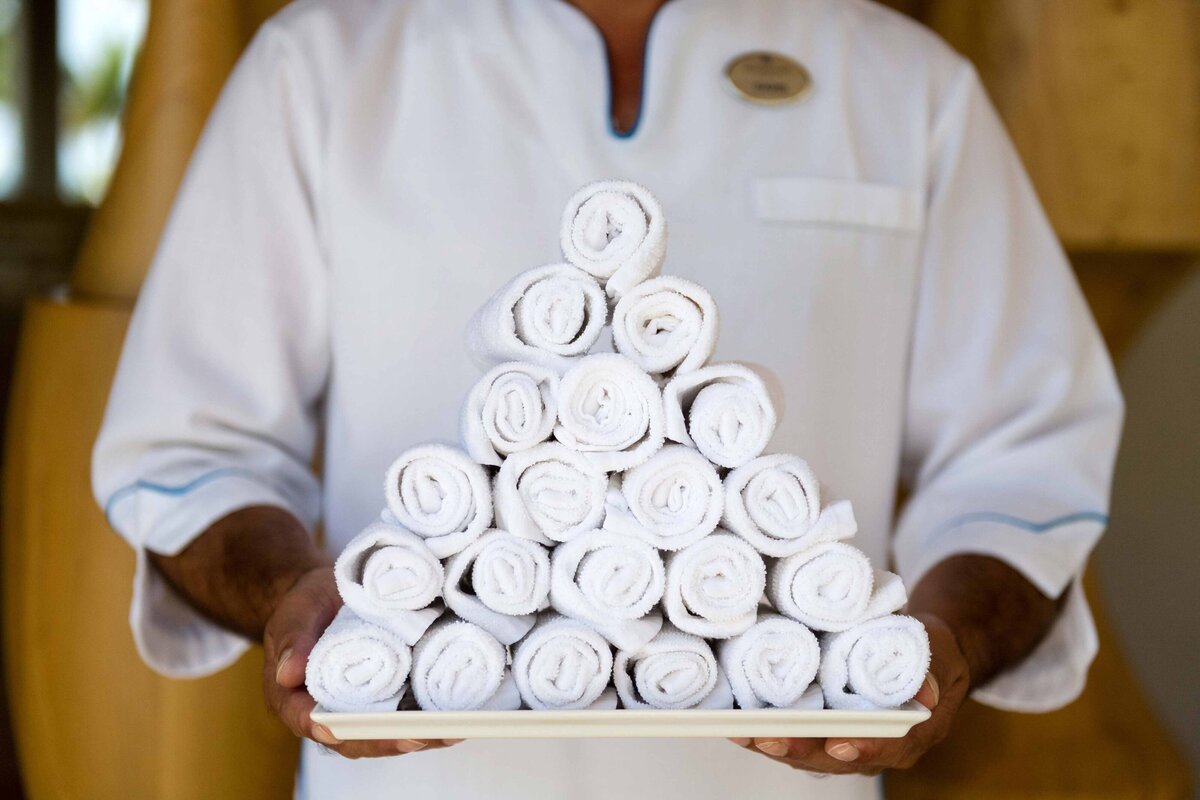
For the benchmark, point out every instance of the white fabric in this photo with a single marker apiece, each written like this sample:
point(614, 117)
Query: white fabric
point(548, 315)
point(773, 664)
point(877, 664)
point(374, 170)
point(714, 586)
point(776, 503)
point(673, 670)
point(611, 411)
point(511, 408)
point(564, 664)
point(357, 666)
point(832, 587)
point(671, 501)
point(499, 583)
point(666, 324)
point(440, 494)
point(549, 494)
point(612, 582)
point(615, 230)
point(458, 666)
point(838, 202)
point(723, 410)
point(388, 576)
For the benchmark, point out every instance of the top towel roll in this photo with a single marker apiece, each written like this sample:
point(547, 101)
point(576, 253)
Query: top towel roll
point(615, 231)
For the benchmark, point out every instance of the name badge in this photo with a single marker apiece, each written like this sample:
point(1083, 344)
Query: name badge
point(768, 78)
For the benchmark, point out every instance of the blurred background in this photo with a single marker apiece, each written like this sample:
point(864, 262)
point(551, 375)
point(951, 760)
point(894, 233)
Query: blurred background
point(1102, 98)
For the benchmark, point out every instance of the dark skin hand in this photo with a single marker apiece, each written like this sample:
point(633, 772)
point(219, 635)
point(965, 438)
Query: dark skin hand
point(982, 616)
point(258, 572)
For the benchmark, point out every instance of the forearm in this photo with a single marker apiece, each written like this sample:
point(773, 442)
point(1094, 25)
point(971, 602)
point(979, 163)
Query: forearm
point(236, 570)
point(995, 613)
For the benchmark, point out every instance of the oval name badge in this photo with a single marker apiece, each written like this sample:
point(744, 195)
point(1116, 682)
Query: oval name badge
point(768, 78)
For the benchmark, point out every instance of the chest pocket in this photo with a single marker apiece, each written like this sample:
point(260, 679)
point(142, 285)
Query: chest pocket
point(839, 203)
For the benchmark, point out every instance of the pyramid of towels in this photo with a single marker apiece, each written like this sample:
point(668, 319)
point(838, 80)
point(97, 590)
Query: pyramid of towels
point(610, 533)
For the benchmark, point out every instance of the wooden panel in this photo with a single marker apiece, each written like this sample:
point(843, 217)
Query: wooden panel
point(191, 45)
point(1103, 102)
point(90, 719)
point(1125, 289)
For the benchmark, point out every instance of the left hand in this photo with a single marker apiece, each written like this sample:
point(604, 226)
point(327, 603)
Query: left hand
point(945, 687)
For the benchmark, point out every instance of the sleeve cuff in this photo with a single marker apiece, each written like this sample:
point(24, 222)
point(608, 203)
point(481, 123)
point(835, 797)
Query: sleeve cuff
point(1055, 673)
point(171, 637)
point(1051, 555)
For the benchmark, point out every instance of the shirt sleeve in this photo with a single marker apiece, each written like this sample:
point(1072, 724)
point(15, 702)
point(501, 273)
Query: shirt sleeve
point(215, 401)
point(1013, 413)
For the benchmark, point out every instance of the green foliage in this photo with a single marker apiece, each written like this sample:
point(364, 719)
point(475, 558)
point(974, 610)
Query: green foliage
point(96, 94)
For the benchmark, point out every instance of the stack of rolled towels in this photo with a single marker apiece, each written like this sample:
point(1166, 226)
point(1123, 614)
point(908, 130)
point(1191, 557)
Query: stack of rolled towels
point(610, 533)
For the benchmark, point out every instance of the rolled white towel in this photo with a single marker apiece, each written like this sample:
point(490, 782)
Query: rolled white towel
point(723, 410)
point(877, 664)
point(671, 501)
point(665, 324)
point(832, 587)
point(549, 493)
point(389, 576)
point(773, 664)
point(439, 493)
point(357, 666)
point(714, 586)
point(547, 315)
point(458, 666)
point(611, 582)
point(511, 408)
point(616, 231)
point(776, 503)
point(673, 670)
point(563, 664)
point(499, 583)
point(610, 410)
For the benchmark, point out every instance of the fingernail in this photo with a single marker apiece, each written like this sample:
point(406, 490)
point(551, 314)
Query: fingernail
point(410, 745)
point(741, 742)
point(449, 742)
point(773, 747)
point(283, 659)
point(843, 751)
point(933, 686)
point(324, 735)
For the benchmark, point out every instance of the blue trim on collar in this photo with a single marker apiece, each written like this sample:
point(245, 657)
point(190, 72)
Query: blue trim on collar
point(637, 121)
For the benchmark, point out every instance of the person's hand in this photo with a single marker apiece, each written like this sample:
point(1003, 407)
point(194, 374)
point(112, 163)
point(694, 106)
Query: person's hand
point(942, 693)
point(298, 620)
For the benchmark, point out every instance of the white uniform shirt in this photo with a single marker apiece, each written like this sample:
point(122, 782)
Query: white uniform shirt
point(376, 168)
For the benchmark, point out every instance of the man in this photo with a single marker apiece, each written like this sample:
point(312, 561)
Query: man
point(375, 167)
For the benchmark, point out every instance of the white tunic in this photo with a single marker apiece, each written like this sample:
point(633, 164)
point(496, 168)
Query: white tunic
point(376, 168)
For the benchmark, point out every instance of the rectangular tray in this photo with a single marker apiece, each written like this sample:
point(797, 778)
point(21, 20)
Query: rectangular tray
point(692, 723)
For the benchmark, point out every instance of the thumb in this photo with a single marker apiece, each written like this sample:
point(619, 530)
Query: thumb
point(298, 622)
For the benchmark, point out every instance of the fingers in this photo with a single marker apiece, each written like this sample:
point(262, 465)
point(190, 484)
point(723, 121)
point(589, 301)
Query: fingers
point(293, 630)
point(293, 657)
point(295, 708)
point(809, 755)
point(383, 748)
point(929, 693)
point(296, 625)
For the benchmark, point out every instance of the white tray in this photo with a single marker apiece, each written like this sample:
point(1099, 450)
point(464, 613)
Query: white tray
point(692, 723)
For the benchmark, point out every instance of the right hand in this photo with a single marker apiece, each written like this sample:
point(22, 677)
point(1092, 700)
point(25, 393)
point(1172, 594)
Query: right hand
point(296, 623)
